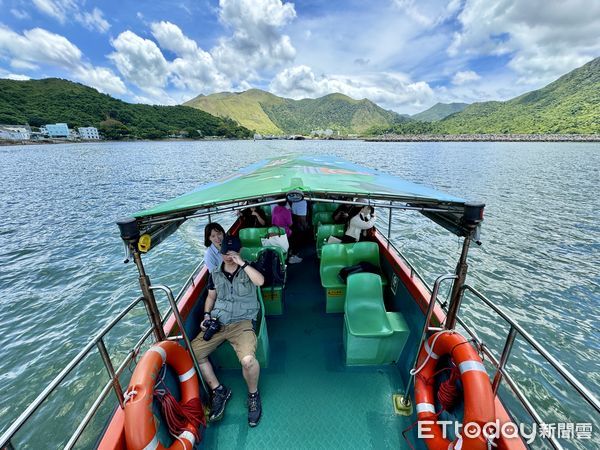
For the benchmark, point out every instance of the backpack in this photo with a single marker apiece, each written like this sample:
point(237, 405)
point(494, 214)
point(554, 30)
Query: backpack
point(362, 266)
point(269, 264)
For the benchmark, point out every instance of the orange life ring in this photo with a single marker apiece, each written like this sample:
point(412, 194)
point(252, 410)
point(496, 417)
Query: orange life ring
point(478, 396)
point(140, 426)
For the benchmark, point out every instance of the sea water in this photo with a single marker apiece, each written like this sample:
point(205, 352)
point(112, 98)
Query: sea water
point(62, 275)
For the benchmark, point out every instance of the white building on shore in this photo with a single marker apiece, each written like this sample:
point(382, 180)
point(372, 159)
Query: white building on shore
point(15, 132)
point(57, 130)
point(88, 133)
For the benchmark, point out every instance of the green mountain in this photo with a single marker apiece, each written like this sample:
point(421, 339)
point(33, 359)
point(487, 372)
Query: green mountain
point(268, 114)
point(243, 107)
point(52, 100)
point(570, 104)
point(439, 111)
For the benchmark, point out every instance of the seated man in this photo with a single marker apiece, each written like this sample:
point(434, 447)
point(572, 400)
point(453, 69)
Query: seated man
point(233, 301)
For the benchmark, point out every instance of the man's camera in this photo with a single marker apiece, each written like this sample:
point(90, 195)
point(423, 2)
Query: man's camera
point(212, 326)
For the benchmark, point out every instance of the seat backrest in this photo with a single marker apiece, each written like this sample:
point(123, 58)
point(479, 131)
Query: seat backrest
point(277, 230)
point(318, 207)
point(335, 255)
point(364, 251)
point(326, 230)
point(251, 237)
point(364, 295)
point(267, 210)
point(322, 217)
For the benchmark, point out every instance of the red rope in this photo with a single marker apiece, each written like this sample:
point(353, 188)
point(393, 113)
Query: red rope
point(178, 416)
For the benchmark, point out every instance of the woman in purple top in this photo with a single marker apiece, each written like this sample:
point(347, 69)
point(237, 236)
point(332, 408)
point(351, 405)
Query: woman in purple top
point(282, 217)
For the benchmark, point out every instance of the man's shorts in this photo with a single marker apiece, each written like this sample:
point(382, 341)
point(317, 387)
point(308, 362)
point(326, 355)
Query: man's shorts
point(240, 335)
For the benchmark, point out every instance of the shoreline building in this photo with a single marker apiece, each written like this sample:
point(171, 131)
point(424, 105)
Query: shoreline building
point(57, 130)
point(15, 132)
point(88, 133)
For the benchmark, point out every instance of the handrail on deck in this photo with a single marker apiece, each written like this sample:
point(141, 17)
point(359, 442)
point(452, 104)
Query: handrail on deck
point(500, 363)
point(114, 374)
point(33, 406)
point(516, 328)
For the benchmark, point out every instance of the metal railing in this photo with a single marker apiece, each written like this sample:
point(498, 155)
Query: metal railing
point(501, 374)
point(114, 374)
point(500, 363)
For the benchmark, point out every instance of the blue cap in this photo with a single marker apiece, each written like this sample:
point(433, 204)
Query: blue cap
point(231, 243)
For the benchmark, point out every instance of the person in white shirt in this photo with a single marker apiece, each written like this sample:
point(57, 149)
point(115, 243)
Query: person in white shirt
point(360, 221)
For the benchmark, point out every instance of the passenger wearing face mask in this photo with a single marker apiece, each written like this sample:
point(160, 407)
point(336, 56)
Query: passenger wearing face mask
point(361, 220)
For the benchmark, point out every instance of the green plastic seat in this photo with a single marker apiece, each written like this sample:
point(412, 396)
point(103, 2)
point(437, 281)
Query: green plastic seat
point(267, 210)
point(333, 258)
point(277, 230)
point(318, 207)
point(365, 251)
point(322, 217)
point(364, 309)
point(324, 232)
point(372, 336)
point(251, 237)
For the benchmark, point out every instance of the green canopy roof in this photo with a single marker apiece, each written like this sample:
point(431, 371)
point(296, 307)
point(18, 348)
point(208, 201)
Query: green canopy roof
point(314, 175)
point(319, 178)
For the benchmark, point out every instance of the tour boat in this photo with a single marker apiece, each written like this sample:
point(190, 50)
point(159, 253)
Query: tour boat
point(372, 361)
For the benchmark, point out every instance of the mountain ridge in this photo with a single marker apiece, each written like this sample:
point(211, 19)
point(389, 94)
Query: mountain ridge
point(439, 111)
point(267, 113)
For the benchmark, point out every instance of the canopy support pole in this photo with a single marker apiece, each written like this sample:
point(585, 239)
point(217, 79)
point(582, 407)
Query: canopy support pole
point(457, 291)
point(149, 299)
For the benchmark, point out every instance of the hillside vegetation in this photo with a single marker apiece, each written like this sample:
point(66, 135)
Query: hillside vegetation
point(569, 105)
point(52, 100)
point(244, 107)
point(269, 114)
point(439, 111)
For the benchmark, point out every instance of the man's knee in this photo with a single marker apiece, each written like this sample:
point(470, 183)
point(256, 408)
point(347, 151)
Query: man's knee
point(249, 361)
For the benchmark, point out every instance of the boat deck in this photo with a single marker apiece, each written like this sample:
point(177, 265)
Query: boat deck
point(311, 400)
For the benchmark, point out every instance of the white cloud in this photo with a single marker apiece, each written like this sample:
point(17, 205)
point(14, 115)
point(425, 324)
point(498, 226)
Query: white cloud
point(428, 13)
point(20, 14)
point(101, 78)
point(93, 21)
point(14, 76)
point(38, 47)
point(170, 37)
point(544, 39)
point(63, 10)
point(390, 90)
point(257, 40)
point(139, 60)
point(142, 62)
point(465, 76)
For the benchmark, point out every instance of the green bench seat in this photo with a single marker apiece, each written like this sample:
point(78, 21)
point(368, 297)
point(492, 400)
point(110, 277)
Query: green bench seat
point(334, 257)
point(318, 207)
point(324, 231)
point(371, 334)
point(252, 244)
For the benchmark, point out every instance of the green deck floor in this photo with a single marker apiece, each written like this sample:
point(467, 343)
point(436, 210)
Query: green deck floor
point(311, 400)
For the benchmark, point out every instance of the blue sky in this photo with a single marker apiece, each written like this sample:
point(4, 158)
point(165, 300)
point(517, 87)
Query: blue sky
point(405, 55)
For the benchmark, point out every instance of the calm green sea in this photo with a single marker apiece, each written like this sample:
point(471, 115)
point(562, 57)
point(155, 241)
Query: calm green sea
point(62, 275)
